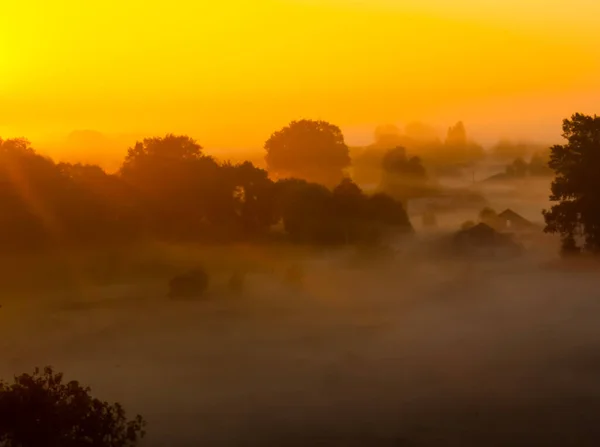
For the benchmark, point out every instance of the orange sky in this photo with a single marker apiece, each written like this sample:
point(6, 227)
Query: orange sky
point(229, 72)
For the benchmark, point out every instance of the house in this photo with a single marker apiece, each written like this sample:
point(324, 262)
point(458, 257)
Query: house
point(508, 220)
point(482, 239)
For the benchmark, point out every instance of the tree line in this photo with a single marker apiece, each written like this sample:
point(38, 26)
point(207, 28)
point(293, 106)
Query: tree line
point(167, 188)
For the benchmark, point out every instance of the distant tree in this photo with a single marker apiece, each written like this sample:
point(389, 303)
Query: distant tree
point(509, 150)
point(488, 216)
point(388, 135)
point(42, 410)
point(518, 168)
point(421, 132)
point(366, 165)
point(388, 211)
point(313, 214)
point(576, 186)
point(459, 149)
point(538, 165)
point(310, 150)
point(403, 177)
point(457, 135)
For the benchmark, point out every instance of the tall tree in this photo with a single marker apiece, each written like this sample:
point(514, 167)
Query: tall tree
point(576, 186)
point(459, 148)
point(311, 150)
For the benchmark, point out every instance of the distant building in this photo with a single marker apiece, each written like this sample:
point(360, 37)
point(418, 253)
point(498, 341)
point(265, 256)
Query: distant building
point(512, 222)
point(484, 240)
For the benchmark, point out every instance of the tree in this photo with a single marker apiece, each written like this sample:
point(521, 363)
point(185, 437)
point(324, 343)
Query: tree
point(403, 177)
point(458, 148)
point(34, 197)
point(538, 165)
point(310, 150)
point(489, 217)
point(254, 196)
point(576, 186)
point(181, 187)
point(518, 168)
point(41, 410)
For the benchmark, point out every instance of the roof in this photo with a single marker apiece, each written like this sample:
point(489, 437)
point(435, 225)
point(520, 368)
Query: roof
point(514, 218)
point(483, 234)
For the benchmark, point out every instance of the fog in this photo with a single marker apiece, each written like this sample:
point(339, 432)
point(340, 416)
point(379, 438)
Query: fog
point(414, 349)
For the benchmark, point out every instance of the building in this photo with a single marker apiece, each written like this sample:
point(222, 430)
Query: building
point(512, 222)
point(484, 240)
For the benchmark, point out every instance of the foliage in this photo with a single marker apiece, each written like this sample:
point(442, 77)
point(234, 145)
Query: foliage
point(309, 150)
point(167, 189)
point(576, 186)
point(42, 410)
point(313, 214)
point(403, 177)
point(458, 148)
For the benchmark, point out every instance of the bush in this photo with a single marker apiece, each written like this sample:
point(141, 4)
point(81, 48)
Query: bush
point(40, 410)
point(191, 284)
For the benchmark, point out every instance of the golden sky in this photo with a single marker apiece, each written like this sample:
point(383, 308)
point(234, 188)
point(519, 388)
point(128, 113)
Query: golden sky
point(229, 72)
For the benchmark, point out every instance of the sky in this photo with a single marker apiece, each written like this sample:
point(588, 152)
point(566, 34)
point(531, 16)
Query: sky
point(230, 72)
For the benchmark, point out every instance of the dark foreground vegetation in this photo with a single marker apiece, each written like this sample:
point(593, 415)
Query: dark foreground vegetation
point(42, 410)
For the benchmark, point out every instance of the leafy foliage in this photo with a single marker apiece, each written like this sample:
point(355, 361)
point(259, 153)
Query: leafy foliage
point(310, 150)
point(576, 186)
point(42, 410)
point(403, 177)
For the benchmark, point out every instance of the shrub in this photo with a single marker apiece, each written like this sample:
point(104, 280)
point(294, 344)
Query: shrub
point(41, 410)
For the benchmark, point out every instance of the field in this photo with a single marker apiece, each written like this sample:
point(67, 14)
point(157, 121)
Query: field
point(403, 351)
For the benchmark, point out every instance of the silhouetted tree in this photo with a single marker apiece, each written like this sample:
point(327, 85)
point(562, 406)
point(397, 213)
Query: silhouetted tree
point(306, 211)
point(518, 168)
point(403, 177)
point(313, 214)
point(458, 148)
point(254, 196)
point(576, 186)
point(103, 207)
point(538, 165)
point(181, 188)
point(311, 150)
point(489, 217)
point(34, 198)
point(42, 410)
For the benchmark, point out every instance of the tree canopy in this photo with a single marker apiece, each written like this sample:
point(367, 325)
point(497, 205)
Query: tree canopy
point(42, 410)
point(310, 150)
point(403, 177)
point(576, 186)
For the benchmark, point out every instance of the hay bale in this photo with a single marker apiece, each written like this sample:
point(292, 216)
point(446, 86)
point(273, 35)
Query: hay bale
point(191, 284)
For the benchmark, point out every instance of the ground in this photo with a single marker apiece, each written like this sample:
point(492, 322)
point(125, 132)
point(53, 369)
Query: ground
point(405, 352)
